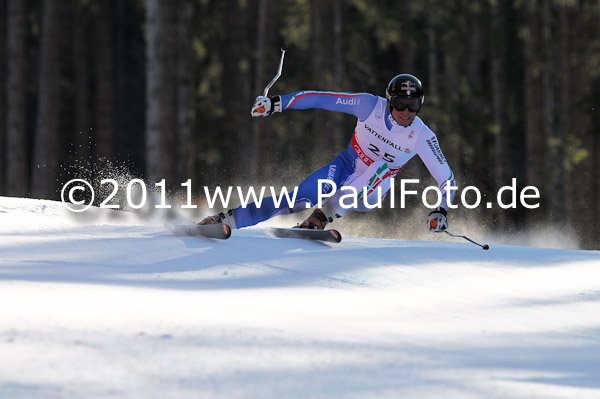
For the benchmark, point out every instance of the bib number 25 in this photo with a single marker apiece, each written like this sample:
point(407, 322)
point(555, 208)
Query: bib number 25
point(386, 156)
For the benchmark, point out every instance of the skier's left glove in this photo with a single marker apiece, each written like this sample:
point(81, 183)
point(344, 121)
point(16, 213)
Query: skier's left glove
point(436, 221)
point(265, 106)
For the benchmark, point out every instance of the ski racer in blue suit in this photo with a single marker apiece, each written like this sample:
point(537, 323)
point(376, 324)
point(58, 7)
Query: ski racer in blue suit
point(388, 134)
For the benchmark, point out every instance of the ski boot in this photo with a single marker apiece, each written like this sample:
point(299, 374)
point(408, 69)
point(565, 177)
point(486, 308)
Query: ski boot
point(219, 218)
point(316, 221)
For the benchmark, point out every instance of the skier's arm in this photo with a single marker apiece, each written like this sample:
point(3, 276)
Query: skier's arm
point(358, 104)
point(432, 156)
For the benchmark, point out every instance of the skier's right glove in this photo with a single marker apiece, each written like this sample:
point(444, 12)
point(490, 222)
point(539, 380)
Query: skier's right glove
point(265, 106)
point(436, 221)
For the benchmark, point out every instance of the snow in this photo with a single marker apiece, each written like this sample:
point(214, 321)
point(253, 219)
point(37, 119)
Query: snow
point(111, 306)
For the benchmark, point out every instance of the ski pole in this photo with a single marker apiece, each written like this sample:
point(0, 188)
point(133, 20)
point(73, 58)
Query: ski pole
point(278, 73)
point(484, 246)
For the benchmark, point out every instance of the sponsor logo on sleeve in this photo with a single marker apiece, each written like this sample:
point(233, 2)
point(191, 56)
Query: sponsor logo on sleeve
point(330, 177)
point(347, 101)
point(435, 149)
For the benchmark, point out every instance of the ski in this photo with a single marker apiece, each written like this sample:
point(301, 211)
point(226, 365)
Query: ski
point(307, 234)
point(221, 231)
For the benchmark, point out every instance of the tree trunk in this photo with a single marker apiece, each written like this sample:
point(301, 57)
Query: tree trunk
point(535, 141)
point(130, 80)
point(104, 98)
point(594, 232)
point(81, 86)
point(321, 132)
point(185, 86)
point(554, 161)
point(258, 125)
point(564, 105)
point(3, 92)
point(432, 70)
point(339, 138)
point(237, 79)
point(161, 91)
point(431, 88)
point(17, 179)
point(498, 84)
point(46, 154)
point(480, 164)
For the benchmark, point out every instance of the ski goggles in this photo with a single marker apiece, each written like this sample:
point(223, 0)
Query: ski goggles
point(401, 103)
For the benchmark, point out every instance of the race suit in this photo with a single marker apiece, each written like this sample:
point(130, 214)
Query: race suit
point(379, 148)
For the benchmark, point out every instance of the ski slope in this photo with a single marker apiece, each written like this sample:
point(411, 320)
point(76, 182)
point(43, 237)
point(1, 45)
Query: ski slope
point(114, 307)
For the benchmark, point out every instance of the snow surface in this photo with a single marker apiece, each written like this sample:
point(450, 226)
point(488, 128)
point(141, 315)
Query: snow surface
point(114, 307)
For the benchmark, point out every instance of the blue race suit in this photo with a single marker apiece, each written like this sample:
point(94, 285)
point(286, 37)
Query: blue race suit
point(379, 148)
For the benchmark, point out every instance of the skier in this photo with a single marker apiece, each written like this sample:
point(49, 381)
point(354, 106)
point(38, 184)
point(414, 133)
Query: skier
point(388, 133)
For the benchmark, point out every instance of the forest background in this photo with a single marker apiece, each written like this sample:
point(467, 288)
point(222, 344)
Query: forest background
point(163, 90)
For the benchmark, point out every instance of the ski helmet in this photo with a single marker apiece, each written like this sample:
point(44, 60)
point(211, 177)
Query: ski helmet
point(404, 86)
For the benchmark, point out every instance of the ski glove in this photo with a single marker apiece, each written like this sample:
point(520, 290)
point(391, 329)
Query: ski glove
point(265, 106)
point(436, 221)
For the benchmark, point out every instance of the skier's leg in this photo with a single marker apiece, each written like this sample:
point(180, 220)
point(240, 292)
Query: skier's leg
point(374, 182)
point(337, 171)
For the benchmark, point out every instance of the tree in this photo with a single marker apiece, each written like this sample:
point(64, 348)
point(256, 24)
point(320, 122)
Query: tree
point(186, 111)
point(47, 143)
point(258, 126)
point(499, 104)
point(130, 83)
point(338, 45)
point(81, 66)
point(161, 90)
point(549, 73)
point(237, 82)
point(104, 80)
point(3, 72)
point(17, 179)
